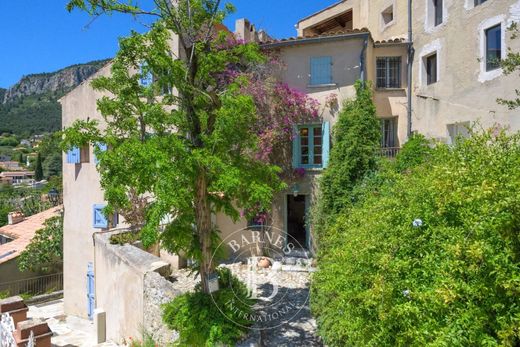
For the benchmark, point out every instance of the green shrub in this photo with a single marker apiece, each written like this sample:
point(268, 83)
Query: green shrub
point(356, 139)
point(211, 320)
point(452, 277)
point(414, 152)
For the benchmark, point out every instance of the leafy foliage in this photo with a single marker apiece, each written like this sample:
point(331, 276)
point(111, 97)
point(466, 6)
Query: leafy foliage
point(45, 252)
point(38, 168)
point(430, 257)
point(198, 318)
point(415, 151)
point(27, 201)
point(356, 138)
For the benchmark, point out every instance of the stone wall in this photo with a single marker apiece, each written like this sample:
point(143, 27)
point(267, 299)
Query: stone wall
point(131, 285)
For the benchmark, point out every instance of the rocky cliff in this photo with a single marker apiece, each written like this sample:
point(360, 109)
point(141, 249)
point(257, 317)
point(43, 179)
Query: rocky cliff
point(31, 105)
point(57, 82)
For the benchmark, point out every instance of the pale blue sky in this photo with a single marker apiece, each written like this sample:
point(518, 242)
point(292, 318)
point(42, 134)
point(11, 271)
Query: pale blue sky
point(41, 36)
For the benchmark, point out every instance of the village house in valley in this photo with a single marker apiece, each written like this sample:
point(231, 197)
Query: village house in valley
point(452, 86)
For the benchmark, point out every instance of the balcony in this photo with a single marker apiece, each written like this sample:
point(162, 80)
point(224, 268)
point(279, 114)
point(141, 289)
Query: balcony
point(389, 152)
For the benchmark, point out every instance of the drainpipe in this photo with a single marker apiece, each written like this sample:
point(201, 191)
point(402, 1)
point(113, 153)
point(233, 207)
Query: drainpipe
point(411, 52)
point(362, 60)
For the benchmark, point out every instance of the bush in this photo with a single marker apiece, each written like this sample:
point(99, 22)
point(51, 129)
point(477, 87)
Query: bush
point(414, 152)
point(356, 139)
point(430, 258)
point(198, 318)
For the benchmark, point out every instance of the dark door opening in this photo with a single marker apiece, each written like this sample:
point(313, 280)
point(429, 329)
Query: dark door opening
point(296, 220)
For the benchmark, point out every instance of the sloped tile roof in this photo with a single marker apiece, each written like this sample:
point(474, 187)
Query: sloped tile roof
point(331, 34)
point(390, 41)
point(23, 232)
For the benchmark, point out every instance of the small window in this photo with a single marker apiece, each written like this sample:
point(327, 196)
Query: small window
point(458, 131)
point(146, 77)
point(99, 219)
point(493, 47)
point(389, 132)
point(388, 15)
point(388, 72)
point(74, 156)
point(479, 2)
point(321, 70)
point(431, 69)
point(437, 11)
point(85, 154)
point(311, 146)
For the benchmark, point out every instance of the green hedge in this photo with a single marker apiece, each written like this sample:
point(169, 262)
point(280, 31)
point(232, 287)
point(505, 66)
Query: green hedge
point(430, 257)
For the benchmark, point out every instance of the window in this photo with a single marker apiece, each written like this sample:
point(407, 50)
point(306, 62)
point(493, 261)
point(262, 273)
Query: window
point(431, 69)
point(388, 72)
point(74, 156)
point(321, 70)
point(437, 11)
point(311, 146)
point(479, 2)
point(389, 132)
point(78, 155)
point(458, 131)
point(387, 15)
point(493, 47)
point(99, 219)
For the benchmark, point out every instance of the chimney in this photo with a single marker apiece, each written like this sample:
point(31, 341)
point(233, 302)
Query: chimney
point(245, 31)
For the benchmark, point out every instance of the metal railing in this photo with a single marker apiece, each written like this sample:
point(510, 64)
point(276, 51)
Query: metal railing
point(389, 152)
point(33, 286)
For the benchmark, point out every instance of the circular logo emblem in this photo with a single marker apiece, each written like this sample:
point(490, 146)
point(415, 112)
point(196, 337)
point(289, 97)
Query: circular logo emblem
point(274, 267)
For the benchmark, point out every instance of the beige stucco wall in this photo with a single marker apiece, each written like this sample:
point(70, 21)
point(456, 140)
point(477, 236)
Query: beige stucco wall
point(463, 92)
point(365, 14)
point(81, 190)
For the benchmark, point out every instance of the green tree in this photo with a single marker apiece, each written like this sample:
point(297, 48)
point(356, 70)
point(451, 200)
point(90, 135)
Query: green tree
point(38, 169)
point(194, 150)
point(45, 251)
point(356, 139)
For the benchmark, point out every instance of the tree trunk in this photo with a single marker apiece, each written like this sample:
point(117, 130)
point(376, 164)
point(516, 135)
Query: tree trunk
point(204, 227)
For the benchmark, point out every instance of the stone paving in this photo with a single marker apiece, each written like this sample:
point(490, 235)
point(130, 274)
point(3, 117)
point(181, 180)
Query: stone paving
point(68, 331)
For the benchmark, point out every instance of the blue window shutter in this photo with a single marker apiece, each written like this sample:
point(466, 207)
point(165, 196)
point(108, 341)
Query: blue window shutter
point(326, 143)
point(99, 219)
point(102, 147)
point(321, 70)
point(146, 77)
point(74, 156)
point(296, 148)
point(90, 291)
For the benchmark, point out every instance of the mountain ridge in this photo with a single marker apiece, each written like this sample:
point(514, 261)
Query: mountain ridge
point(31, 105)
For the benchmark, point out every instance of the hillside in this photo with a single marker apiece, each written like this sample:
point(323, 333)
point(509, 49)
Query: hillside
point(31, 105)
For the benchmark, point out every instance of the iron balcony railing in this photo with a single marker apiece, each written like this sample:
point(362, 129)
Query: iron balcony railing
point(33, 286)
point(389, 152)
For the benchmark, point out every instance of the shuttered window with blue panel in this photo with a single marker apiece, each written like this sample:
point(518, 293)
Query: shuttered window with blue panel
point(99, 219)
point(74, 156)
point(146, 77)
point(321, 70)
point(102, 148)
point(311, 146)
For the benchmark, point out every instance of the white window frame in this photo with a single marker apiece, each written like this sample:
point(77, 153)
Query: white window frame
point(470, 4)
point(429, 22)
point(484, 75)
point(434, 47)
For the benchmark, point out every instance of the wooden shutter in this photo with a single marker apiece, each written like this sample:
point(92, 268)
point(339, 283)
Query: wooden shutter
point(321, 70)
point(74, 156)
point(99, 219)
point(325, 143)
point(296, 148)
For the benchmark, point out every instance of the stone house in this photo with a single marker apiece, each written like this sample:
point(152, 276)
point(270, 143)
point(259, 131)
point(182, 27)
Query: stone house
point(345, 42)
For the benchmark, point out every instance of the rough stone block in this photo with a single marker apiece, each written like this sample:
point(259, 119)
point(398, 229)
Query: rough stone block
point(42, 333)
point(15, 307)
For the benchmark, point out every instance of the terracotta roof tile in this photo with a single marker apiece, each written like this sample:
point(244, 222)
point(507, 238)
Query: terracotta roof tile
point(23, 232)
point(396, 40)
point(328, 34)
